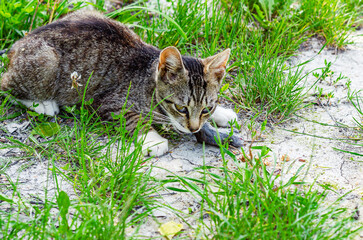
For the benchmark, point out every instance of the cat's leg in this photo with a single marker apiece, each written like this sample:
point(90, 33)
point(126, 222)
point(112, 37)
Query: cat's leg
point(154, 144)
point(49, 107)
point(223, 116)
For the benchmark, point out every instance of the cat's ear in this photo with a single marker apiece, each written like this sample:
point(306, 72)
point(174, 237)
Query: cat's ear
point(170, 60)
point(217, 64)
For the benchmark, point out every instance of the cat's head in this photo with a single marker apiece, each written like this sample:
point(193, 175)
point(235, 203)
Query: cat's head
point(189, 87)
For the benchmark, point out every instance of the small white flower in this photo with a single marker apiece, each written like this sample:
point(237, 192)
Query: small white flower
point(75, 77)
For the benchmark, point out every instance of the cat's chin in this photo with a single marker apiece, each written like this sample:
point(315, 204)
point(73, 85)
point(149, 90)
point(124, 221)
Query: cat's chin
point(179, 128)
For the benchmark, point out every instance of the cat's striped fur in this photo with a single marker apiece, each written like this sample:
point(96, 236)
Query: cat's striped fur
point(183, 89)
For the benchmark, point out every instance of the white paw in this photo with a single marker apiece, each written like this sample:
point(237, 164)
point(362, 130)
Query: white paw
point(223, 116)
point(154, 144)
point(49, 107)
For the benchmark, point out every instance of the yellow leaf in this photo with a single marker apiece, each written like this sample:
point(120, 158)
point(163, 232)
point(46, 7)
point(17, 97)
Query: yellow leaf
point(170, 229)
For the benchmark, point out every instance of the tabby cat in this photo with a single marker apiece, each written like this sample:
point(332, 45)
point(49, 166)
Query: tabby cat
point(51, 65)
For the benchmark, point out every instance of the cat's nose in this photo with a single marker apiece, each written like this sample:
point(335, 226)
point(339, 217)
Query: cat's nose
point(194, 130)
point(194, 125)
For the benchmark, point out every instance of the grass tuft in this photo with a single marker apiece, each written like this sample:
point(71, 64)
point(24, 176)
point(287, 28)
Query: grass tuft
point(244, 200)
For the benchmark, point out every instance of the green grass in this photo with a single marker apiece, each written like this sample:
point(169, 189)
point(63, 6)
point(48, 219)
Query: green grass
point(113, 187)
point(332, 20)
point(112, 183)
point(356, 99)
point(271, 89)
point(249, 202)
point(18, 17)
point(353, 147)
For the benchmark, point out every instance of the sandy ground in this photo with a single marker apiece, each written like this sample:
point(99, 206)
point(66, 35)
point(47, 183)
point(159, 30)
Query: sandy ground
point(341, 171)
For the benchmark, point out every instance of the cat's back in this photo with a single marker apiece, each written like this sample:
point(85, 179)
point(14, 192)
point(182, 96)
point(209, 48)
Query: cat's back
point(87, 26)
point(85, 42)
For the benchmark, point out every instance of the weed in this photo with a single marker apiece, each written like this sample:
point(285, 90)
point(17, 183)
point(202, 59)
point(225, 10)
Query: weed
point(329, 96)
point(19, 17)
point(330, 19)
point(249, 202)
point(271, 88)
point(356, 99)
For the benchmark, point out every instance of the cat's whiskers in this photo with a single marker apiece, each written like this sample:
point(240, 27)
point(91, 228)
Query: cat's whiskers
point(158, 118)
point(161, 118)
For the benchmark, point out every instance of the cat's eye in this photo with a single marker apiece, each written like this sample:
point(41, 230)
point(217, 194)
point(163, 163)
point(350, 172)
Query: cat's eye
point(181, 109)
point(207, 110)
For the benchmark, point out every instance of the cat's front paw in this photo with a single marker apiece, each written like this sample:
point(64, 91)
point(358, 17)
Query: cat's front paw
point(223, 116)
point(49, 107)
point(154, 144)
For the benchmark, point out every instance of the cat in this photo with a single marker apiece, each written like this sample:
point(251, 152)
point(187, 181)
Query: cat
point(50, 66)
